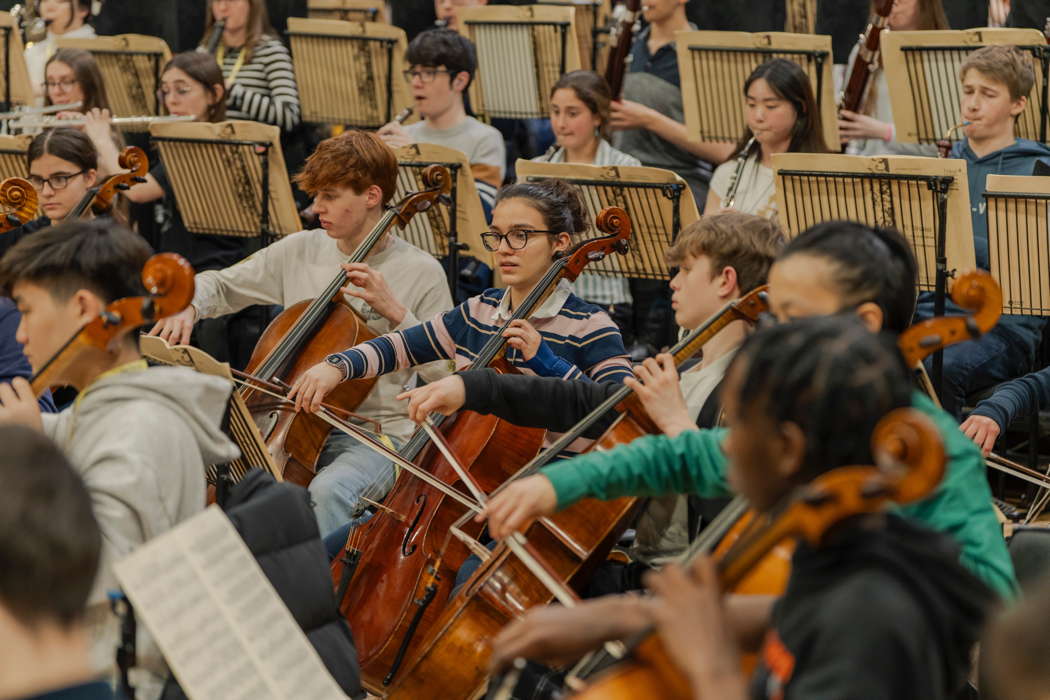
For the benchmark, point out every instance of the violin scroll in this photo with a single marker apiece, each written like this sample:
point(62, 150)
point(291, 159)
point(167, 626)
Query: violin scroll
point(616, 224)
point(19, 198)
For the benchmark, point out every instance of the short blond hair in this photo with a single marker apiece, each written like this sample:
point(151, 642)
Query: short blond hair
point(744, 242)
point(1005, 64)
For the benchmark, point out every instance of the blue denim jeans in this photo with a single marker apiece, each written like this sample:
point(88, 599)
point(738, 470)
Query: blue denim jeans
point(347, 470)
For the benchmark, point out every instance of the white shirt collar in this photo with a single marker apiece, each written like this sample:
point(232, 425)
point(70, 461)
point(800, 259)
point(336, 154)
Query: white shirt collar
point(548, 309)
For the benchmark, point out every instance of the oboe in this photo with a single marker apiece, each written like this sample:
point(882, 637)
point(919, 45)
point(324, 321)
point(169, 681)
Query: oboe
point(734, 183)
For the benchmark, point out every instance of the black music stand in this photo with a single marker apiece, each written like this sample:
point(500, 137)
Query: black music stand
point(715, 65)
point(372, 53)
point(925, 90)
point(542, 41)
point(926, 199)
point(659, 203)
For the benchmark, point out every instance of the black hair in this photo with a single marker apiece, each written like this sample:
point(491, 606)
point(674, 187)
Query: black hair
point(788, 80)
point(443, 47)
point(830, 376)
point(868, 264)
point(50, 542)
point(99, 255)
point(66, 143)
point(558, 202)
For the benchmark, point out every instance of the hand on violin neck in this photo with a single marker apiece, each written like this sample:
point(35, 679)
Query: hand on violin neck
point(691, 619)
point(656, 383)
point(559, 635)
point(369, 285)
point(18, 405)
point(313, 385)
point(176, 329)
point(445, 396)
point(516, 505)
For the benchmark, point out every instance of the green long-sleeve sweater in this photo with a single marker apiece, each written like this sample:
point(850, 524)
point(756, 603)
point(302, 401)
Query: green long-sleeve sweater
point(693, 462)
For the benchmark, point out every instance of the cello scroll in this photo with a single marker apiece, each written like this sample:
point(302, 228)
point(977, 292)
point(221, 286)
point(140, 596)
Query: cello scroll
point(975, 291)
point(616, 224)
point(18, 199)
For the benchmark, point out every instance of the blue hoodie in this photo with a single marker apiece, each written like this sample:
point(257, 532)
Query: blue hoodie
point(1016, 159)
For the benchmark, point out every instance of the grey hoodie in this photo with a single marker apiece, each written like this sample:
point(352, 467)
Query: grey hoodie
point(140, 439)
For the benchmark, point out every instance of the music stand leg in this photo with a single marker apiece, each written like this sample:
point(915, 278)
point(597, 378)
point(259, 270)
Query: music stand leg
point(940, 186)
point(126, 649)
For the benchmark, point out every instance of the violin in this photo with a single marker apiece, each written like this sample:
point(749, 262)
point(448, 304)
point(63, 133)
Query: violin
point(911, 461)
point(168, 280)
point(18, 199)
point(397, 569)
point(568, 545)
point(306, 333)
point(99, 199)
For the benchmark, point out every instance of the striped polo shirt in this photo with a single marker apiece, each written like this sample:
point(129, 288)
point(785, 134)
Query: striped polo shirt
point(264, 89)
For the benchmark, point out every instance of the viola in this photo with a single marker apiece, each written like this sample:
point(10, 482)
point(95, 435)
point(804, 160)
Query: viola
point(18, 200)
point(911, 461)
point(306, 333)
point(168, 280)
point(99, 199)
point(398, 568)
point(568, 545)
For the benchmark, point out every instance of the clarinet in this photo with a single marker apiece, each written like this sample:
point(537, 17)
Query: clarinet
point(213, 38)
point(867, 60)
point(734, 183)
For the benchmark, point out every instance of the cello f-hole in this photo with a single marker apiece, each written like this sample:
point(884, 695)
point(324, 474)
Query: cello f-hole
point(406, 548)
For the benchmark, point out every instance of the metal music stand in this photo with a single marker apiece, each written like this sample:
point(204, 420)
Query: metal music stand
point(444, 232)
point(659, 203)
point(522, 51)
point(926, 199)
point(347, 10)
point(13, 155)
point(714, 66)
point(130, 66)
point(237, 423)
point(1019, 259)
point(925, 88)
point(590, 16)
point(15, 87)
point(349, 73)
point(229, 178)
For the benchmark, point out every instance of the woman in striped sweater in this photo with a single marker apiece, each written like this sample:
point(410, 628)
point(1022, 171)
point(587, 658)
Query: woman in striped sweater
point(257, 67)
point(565, 337)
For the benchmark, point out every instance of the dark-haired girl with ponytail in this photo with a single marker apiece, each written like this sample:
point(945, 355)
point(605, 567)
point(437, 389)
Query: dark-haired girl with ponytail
point(833, 268)
point(565, 337)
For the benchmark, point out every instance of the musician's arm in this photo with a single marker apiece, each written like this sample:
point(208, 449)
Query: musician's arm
point(655, 465)
point(1018, 397)
point(426, 342)
point(255, 280)
point(428, 302)
point(670, 130)
point(537, 402)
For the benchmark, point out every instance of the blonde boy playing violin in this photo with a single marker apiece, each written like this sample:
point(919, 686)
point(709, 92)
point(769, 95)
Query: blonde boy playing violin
point(352, 178)
point(139, 437)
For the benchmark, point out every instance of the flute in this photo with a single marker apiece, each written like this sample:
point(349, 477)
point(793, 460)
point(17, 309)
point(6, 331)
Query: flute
point(36, 111)
point(50, 122)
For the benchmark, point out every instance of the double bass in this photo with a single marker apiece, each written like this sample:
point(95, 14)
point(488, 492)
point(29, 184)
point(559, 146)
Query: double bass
point(452, 662)
point(306, 333)
point(397, 570)
point(913, 467)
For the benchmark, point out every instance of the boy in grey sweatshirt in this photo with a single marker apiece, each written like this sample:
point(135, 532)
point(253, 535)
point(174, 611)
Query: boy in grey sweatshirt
point(139, 437)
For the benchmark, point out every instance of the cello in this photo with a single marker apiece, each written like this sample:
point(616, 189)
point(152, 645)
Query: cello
point(18, 200)
point(915, 456)
point(168, 280)
point(569, 544)
point(404, 557)
point(305, 333)
point(98, 200)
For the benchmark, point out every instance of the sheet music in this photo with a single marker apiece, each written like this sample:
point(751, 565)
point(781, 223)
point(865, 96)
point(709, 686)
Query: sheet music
point(223, 629)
